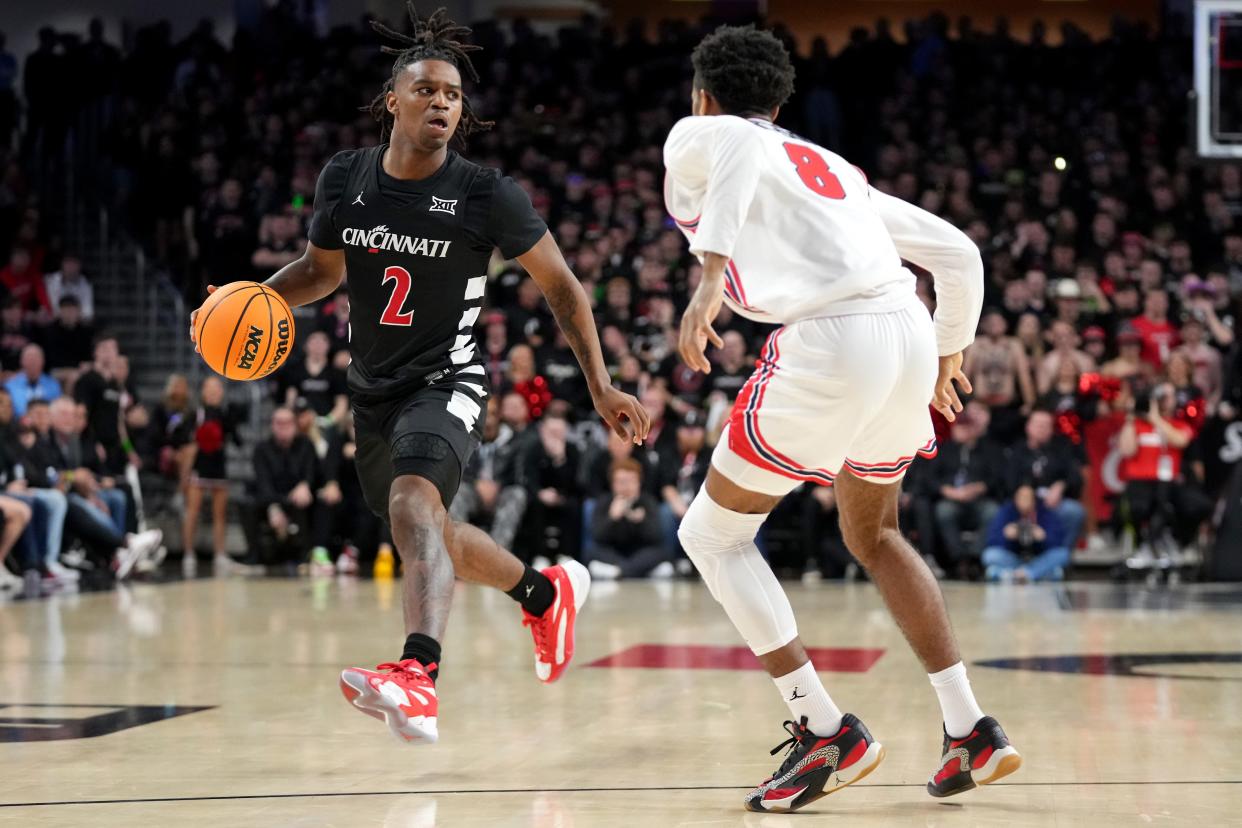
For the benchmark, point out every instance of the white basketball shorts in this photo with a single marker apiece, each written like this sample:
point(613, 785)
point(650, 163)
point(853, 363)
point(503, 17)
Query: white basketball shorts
point(850, 391)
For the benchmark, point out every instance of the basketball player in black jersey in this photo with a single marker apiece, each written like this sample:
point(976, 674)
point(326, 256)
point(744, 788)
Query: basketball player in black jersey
point(413, 224)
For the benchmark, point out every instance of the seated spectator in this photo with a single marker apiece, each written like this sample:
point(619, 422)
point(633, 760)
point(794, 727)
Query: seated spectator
point(69, 281)
point(316, 380)
point(66, 459)
point(554, 504)
point(1025, 542)
point(967, 478)
point(1161, 506)
point(31, 383)
point(625, 530)
point(69, 343)
point(1046, 462)
point(48, 504)
point(212, 427)
point(24, 284)
point(491, 492)
point(284, 477)
point(40, 544)
point(600, 460)
point(82, 458)
point(16, 517)
point(15, 334)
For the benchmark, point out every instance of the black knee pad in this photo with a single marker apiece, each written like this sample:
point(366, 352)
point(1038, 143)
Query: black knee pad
point(430, 457)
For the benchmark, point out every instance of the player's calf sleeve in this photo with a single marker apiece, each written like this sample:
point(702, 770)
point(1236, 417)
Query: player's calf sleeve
point(722, 545)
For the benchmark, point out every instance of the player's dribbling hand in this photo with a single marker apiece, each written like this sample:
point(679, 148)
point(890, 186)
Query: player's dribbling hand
point(946, 400)
point(624, 415)
point(194, 315)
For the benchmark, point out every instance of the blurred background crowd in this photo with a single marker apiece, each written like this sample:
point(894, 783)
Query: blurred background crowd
point(1107, 374)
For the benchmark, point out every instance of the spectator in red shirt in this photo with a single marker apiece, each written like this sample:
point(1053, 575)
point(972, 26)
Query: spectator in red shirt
point(25, 284)
point(1152, 443)
point(1157, 332)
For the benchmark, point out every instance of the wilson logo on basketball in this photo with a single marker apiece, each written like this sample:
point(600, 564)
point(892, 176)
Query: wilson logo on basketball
point(282, 346)
point(251, 349)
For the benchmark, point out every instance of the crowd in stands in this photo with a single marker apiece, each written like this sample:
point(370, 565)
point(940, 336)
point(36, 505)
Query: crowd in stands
point(1107, 372)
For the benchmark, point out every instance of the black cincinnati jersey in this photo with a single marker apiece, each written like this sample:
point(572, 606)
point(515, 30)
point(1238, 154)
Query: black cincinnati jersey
point(416, 255)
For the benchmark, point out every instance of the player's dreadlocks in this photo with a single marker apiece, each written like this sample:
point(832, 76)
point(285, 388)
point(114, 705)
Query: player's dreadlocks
point(436, 38)
point(747, 69)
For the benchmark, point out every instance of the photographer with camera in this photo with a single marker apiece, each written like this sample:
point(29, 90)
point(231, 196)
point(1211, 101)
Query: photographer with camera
point(1026, 542)
point(1159, 504)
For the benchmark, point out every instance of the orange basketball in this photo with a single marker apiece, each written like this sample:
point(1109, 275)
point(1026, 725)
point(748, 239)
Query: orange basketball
point(244, 331)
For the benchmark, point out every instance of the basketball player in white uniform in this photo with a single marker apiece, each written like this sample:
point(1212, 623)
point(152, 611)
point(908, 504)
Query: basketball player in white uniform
point(791, 233)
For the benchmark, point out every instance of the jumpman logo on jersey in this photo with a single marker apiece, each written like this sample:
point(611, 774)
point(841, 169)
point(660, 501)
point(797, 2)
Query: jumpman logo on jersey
point(529, 590)
point(358, 199)
point(795, 695)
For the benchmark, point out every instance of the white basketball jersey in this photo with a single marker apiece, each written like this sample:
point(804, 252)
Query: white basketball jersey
point(795, 218)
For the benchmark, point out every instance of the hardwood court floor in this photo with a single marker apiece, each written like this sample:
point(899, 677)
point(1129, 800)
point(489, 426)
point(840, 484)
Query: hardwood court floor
point(651, 746)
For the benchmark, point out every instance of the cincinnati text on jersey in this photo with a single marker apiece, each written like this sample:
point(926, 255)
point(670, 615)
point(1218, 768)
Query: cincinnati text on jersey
point(378, 238)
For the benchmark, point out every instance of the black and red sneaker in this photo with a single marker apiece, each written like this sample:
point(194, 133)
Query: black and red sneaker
point(817, 765)
point(978, 759)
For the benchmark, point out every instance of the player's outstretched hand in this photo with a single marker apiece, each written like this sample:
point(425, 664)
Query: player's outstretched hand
point(194, 315)
point(946, 400)
point(697, 331)
point(624, 415)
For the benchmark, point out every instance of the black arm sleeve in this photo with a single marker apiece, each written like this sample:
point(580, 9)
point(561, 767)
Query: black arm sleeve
point(323, 232)
point(513, 226)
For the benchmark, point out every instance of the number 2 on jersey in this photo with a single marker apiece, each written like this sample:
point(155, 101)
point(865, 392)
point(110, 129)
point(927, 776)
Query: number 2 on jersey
point(401, 289)
point(813, 170)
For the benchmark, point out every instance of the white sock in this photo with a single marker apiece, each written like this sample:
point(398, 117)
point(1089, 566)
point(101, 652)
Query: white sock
point(957, 702)
point(806, 696)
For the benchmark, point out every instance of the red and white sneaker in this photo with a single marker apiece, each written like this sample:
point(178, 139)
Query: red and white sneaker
point(404, 697)
point(554, 630)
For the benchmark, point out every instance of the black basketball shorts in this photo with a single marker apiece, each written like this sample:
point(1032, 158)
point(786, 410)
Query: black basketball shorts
point(430, 433)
